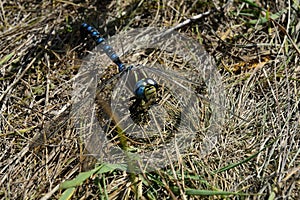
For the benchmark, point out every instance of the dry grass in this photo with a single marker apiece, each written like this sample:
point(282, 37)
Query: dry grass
point(255, 47)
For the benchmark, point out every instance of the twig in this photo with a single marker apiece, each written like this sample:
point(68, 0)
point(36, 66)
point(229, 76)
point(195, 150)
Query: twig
point(49, 194)
point(194, 18)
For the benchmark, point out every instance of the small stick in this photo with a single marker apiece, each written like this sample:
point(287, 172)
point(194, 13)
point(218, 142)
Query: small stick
point(194, 18)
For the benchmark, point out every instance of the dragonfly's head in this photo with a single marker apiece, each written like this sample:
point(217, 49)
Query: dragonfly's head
point(146, 89)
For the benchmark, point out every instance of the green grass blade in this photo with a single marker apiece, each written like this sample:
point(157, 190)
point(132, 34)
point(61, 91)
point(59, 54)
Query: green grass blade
point(243, 161)
point(233, 165)
point(196, 192)
point(263, 20)
point(67, 194)
point(78, 180)
point(85, 175)
point(6, 58)
point(210, 192)
point(107, 167)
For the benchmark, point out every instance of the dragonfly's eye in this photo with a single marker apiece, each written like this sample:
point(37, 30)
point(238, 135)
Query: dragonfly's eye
point(145, 88)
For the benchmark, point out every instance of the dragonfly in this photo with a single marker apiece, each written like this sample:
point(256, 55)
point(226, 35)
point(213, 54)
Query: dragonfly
point(147, 104)
point(145, 89)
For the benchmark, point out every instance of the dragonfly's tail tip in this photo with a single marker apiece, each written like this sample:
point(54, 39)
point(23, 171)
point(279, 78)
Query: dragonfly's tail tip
point(83, 24)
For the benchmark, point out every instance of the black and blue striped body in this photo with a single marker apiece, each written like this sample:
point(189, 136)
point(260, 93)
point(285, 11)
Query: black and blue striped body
point(104, 46)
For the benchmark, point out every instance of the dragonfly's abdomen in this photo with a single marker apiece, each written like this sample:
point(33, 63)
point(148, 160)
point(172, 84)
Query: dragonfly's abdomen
point(104, 46)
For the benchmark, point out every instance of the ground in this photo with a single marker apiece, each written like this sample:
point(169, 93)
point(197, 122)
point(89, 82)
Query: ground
point(255, 47)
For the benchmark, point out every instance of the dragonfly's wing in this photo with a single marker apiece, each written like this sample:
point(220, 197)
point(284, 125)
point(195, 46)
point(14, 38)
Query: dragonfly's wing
point(184, 62)
point(112, 127)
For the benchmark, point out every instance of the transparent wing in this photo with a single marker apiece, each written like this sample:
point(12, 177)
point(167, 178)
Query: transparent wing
point(117, 126)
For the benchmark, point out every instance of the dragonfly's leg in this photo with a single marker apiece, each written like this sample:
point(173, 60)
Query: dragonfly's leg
point(138, 112)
